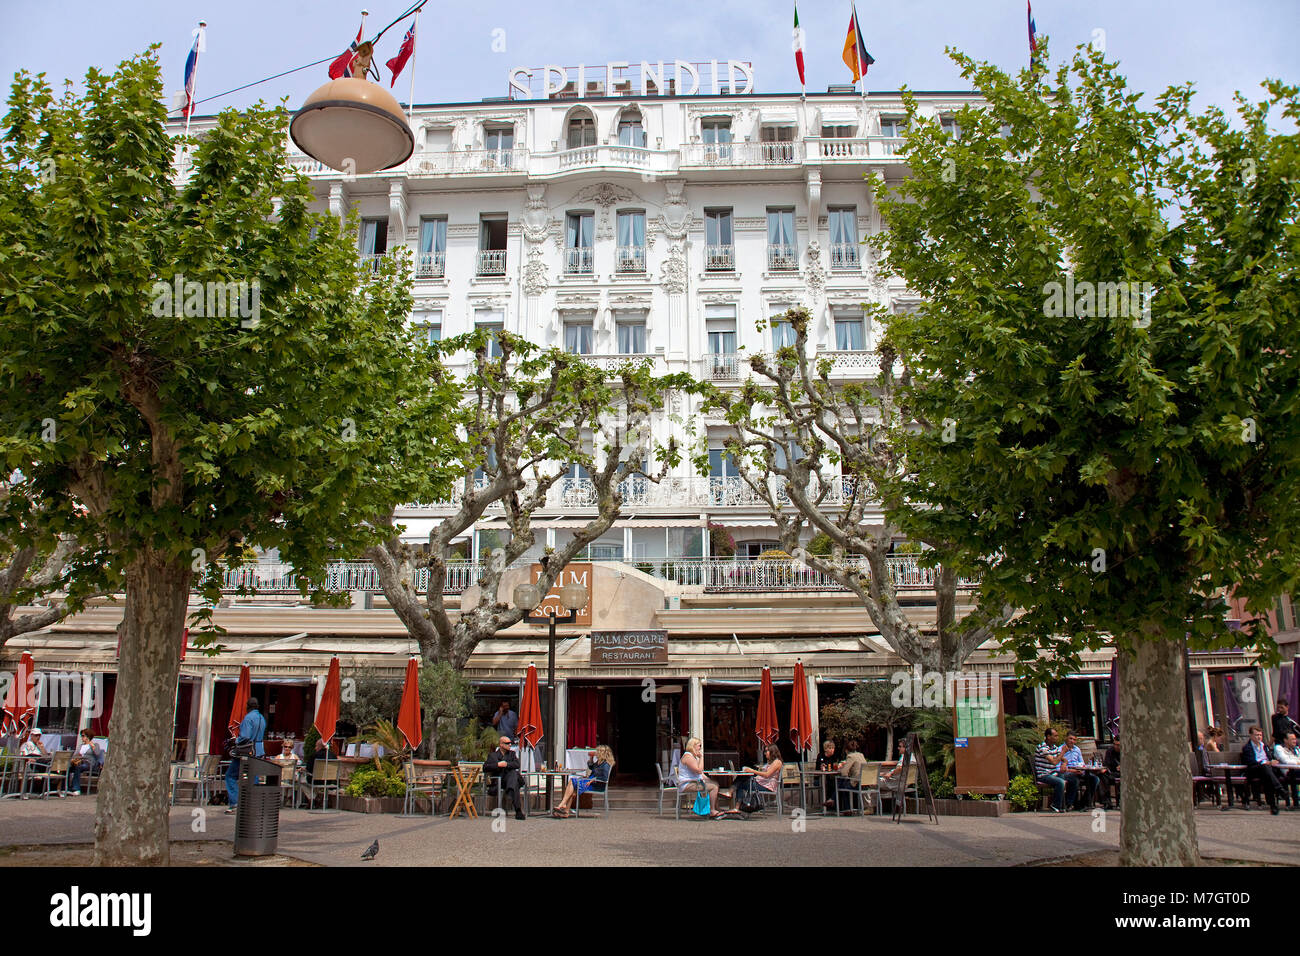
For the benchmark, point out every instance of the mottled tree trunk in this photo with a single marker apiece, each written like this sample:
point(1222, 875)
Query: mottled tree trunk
point(1158, 827)
point(131, 827)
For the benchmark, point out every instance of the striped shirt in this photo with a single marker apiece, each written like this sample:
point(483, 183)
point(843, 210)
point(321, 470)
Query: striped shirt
point(1045, 759)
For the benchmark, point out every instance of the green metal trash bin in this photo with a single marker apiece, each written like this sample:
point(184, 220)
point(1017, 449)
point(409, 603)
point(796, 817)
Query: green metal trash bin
point(257, 817)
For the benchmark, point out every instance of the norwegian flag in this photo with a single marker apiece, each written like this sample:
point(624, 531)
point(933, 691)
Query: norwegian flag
point(398, 63)
point(191, 67)
point(343, 65)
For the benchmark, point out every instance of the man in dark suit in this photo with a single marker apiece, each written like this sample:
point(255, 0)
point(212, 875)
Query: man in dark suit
point(1282, 722)
point(1260, 769)
point(504, 763)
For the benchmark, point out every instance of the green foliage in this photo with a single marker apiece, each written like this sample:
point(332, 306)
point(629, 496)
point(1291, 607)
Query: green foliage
point(309, 744)
point(933, 725)
point(444, 695)
point(472, 745)
point(1145, 459)
point(1023, 793)
point(870, 707)
point(944, 789)
point(821, 545)
point(385, 780)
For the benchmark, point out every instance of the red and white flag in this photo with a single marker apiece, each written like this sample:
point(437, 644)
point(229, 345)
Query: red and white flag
point(404, 53)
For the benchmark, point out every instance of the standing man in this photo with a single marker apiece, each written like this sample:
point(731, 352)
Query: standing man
point(251, 731)
point(1259, 768)
point(1282, 722)
point(504, 764)
point(506, 721)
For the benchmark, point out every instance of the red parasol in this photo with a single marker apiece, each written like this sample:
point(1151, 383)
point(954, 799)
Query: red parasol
point(800, 714)
point(240, 707)
point(530, 711)
point(408, 715)
point(327, 709)
point(20, 701)
point(767, 728)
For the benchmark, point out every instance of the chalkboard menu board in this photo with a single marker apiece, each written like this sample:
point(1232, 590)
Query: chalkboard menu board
point(629, 647)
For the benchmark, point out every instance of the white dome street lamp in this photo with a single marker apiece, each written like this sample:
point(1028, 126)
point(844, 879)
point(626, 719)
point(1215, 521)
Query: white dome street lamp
point(353, 125)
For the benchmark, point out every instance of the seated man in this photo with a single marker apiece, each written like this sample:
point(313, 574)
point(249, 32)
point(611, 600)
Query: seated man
point(33, 747)
point(1110, 760)
point(1260, 769)
point(1288, 757)
point(850, 777)
point(1048, 762)
point(1087, 783)
point(89, 756)
point(503, 763)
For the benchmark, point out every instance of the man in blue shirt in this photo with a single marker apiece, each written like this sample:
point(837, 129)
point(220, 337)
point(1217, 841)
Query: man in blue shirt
point(506, 721)
point(251, 730)
point(1086, 781)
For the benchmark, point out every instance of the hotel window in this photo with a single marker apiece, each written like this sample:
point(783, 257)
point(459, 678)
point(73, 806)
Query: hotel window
point(838, 132)
point(949, 125)
point(630, 253)
point(782, 331)
point(784, 453)
point(492, 245)
point(719, 250)
point(716, 134)
point(721, 464)
point(777, 144)
point(432, 260)
point(582, 131)
point(578, 336)
point(720, 326)
point(843, 221)
point(481, 476)
point(579, 235)
point(374, 242)
point(499, 141)
point(781, 253)
point(850, 332)
point(630, 331)
point(429, 325)
point(491, 321)
point(892, 129)
point(631, 132)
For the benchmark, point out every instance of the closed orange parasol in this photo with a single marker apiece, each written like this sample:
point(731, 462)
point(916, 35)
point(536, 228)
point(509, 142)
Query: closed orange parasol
point(767, 728)
point(530, 711)
point(20, 701)
point(327, 711)
point(800, 713)
point(408, 715)
point(240, 706)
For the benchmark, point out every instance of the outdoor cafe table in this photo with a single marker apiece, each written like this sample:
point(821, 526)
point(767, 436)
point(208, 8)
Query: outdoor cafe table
point(549, 778)
point(465, 775)
point(1227, 769)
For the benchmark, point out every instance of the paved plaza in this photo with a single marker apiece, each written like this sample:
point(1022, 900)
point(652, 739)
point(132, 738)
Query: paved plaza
point(640, 838)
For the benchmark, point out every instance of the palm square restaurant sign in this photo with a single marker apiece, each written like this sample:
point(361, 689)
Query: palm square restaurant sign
point(629, 647)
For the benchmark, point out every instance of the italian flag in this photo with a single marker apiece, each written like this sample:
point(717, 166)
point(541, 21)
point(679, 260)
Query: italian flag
point(798, 46)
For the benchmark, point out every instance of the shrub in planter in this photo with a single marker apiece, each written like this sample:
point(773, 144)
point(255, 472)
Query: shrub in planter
point(1023, 793)
point(774, 554)
point(821, 545)
point(944, 789)
point(382, 781)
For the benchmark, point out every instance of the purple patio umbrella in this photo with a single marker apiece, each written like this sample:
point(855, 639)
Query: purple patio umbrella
point(1230, 704)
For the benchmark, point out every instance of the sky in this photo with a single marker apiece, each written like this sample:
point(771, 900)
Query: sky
point(1220, 47)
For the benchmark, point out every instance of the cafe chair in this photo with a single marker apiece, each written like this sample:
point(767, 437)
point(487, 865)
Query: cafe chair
point(324, 780)
point(183, 775)
point(420, 787)
point(689, 788)
point(56, 773)
point(666, 785)
point(604, 791)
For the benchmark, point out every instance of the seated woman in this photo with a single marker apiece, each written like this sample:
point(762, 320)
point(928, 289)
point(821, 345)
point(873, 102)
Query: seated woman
point(691, 776)
point(598, 770)
point(768, 778)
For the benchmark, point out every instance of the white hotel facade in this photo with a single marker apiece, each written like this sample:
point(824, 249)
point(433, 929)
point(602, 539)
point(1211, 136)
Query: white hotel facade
point(626, 224)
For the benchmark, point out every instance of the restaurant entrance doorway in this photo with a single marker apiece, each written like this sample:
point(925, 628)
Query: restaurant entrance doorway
point(639, 719)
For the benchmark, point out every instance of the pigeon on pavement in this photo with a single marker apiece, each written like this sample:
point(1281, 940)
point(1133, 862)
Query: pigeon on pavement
point(372, 851)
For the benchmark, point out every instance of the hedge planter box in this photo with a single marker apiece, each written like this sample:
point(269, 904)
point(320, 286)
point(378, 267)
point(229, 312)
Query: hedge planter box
point(371, 804)
point(971, 808)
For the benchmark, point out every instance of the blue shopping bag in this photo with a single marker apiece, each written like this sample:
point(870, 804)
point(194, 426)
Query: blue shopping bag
point(701, 806)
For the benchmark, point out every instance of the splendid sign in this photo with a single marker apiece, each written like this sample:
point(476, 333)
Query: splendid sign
point(659, 71)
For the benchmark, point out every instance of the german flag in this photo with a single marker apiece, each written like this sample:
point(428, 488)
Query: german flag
point(856, 57)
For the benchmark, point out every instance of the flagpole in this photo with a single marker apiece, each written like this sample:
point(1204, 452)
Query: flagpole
point(415, 42)
point(198, 48)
